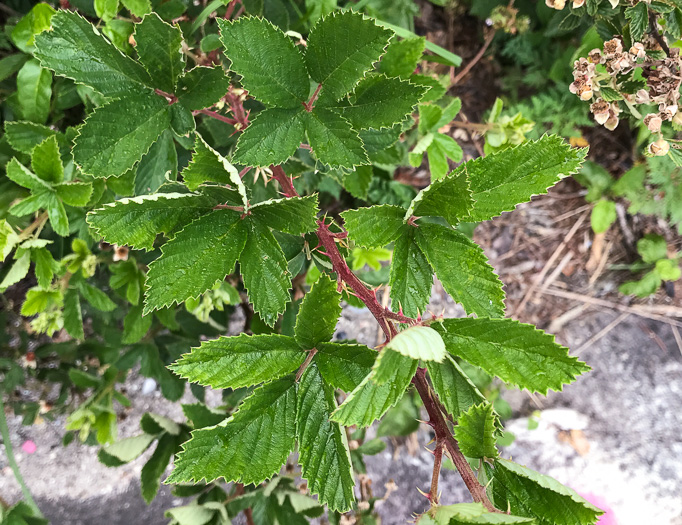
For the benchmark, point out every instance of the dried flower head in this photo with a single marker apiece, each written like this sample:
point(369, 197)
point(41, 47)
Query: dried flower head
point(660, 148)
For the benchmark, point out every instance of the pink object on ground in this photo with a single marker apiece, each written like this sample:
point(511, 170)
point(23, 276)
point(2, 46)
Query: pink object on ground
point(609, 517)
point(29, 447)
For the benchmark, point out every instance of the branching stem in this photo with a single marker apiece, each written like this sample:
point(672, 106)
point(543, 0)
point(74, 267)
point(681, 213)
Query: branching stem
point(311, 103)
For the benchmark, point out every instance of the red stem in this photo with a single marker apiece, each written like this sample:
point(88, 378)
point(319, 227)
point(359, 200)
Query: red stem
point(311, 103)
point(215, 115)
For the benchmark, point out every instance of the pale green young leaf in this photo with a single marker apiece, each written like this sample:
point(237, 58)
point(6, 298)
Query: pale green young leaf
point(125, 450)
point(475, 431)
point(150, 476)
point(603, 215)
point(379, 102)
point(139, 8)
point(34, 91)
point(73, 316)
point(449, 198)
point(46, 162)
point(386, 364)
point(517, 353)
point(158, 48)
point(18, 270)
point(462, 268)
point(56, 213)
point(74, 193)
point(31, 204)
point(45, 266)
point(8, 239)
point(158, 164)
point(528, 493)
point(250, 446)
point(374, 227)
point(437, 87)
point(136, 222)
point(500, 181)
point(202, 87)
point(106, 9)
point(272, 137)
point(369, 401)
point(201, 255)
point(270, 64)
point(38, 301)
point(454, 388)
point(402, 56)
point(341, 48)
point(21, 175)
point(265, 272)
point(475, 514)
point(24, 136)
point(239, 361)
point(318, 314)
point(116, 136)
point(442, 148)
point(344, 365)
point(333, 140)
point(449, 112)
point(34, 22)
point(295, 215)
point(75, 49)
point(419, 342)
point(322, 444)
point(411, 275)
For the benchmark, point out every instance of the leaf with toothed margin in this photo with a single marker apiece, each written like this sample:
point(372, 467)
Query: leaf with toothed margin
point(454, 388)
point(158, 48)
point(341, 48)
point(322, 444)
point(295, 215)
point(202, 254)
point(411, 275)
point(202, 87)
point(419, 342)
point(333, 140)
point(374, 227)
point(448, 197)
point(116, 135)
point(344, 365)
point(475, 431)
point(318, 314)
point(239, 361)
point(501, 181)
point(250, 446)
point(517, 353)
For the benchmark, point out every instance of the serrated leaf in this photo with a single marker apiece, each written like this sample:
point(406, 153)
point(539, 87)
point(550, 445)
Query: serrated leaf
point(24, 136)
point(322, 444)
point(73, 317)
point(46, 162)
point(158, 48)
point(318, 314)
point(139, 8)
point(379, 102)
point(239, 361)
point(74, 193)
point(96, 297)
point(419, 342)
point(45, 266)
point(374, 227)
point(454, 388)
point(201, 415)
point(18, 271)
point(201, 255)
point(341, 48)
point(387, 363)
point(116, 136)
point(638, 15)
point(19, 174)
point(475, 514)
point(250, 446)
point(156, 466)
point(158, 164)
point(272, 137)
point(34, 22)
point(125, 450)
point(295, 215)
point(136, 221)
point(442, 148)
point(265, 272)
point(56, 213)
point(76, 50)
point(333, 140)
point(402, 56)
point(270, 64)
point(106, 9)
point(475, 431)
point(344, 365)
point(502, 180)
point(517, 353)
point(411, 275)
point(462, 268)
point(202, 87)
point(358, 181)
point(369, 401)
point(527, 493)
point(34, 91)
point(449, 198)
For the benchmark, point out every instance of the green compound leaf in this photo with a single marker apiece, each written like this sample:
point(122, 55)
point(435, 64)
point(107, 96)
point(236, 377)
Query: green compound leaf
point(158, 47)
point(411, 275)
point(243, 360)
point(272, 137)
point(419, 342)
point(402, 56)
point(116, 136)
point(528, 493)
point(341, 48)
point(475, 431)
point(333, 140)
point(374, 227)
point(201, 255)
point(369, 401)
point(500, 181)
point(449, 198)
point(323, 448)
point(75, 49)
point(517, 353)
point(462, 268)
point(202, 87)
point(265, 272)
point(294, 215)
point(454, 388)
point(344, 365)
point(136, 222)
point(270, 64)
point(318, 314)
point(250, 446)
point(379, 102)
point(46, 161)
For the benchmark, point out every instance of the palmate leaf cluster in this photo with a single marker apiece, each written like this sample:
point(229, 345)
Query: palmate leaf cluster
point(333, 109)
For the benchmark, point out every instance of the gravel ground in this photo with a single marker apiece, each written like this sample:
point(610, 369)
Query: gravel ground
point(615, 435)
